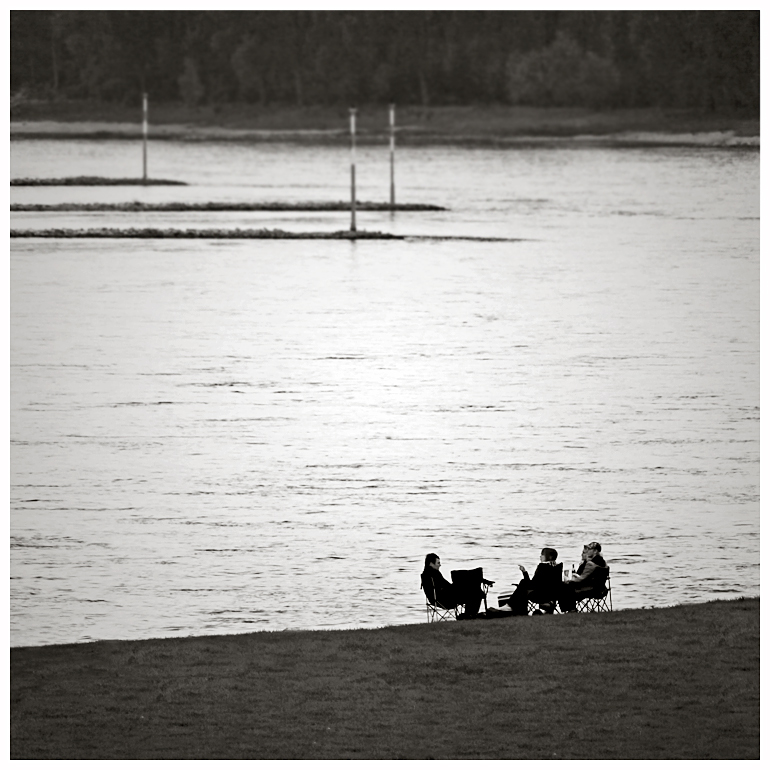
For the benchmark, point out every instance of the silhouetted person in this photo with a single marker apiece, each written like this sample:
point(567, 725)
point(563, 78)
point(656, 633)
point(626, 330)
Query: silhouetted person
point(465, 587)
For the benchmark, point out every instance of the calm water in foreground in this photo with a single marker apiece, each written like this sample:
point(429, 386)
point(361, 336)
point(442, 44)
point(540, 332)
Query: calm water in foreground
point(228, 436)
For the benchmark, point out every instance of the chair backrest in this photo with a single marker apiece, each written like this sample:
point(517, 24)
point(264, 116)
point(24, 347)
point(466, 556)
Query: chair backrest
point(599, 578)
point(467, 584)
point(555, 576)
point(602, 573)
point(467, 578)
point(429, 587)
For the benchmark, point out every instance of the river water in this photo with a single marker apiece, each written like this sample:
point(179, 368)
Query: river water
point(224, 436)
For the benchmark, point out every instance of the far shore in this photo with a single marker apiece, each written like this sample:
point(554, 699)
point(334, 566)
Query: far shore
point(487, 125)
point(669, 683)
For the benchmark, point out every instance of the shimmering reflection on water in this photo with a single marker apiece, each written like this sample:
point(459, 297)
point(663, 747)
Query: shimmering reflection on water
point(213, 437)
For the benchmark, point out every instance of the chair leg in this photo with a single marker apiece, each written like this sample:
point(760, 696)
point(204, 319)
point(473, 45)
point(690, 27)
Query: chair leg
point(594, 604)
point(438, 614)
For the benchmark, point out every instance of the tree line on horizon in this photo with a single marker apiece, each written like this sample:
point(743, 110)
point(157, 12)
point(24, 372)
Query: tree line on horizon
point(699, 60)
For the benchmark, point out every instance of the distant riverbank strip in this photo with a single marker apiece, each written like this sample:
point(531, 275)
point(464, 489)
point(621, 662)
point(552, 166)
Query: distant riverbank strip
point(670, 683)
point(480, 125)
point(224, 206)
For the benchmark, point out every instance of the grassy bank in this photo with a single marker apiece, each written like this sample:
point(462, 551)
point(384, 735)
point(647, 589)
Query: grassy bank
point(676, 683)
point(468, 124)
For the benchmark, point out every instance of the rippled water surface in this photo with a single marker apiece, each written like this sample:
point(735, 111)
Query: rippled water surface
point(224, 436)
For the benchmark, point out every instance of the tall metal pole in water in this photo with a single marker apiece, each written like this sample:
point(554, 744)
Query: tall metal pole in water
point(392, 156)
point(352, 169)
point(144, 138)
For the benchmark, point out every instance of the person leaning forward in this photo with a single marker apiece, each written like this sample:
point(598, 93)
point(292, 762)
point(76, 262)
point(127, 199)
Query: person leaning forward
point(449, 595)
point(590, 575)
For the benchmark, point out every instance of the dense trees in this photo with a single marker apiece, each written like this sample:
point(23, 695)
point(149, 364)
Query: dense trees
point(706, 60)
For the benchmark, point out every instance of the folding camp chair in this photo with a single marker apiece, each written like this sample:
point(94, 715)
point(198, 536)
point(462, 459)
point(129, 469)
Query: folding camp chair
point(470, 580)
point(599, 600)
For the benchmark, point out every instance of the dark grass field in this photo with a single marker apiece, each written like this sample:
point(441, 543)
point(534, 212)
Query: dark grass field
point(674, 683)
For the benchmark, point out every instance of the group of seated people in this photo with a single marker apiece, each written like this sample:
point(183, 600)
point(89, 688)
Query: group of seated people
point(546, 588)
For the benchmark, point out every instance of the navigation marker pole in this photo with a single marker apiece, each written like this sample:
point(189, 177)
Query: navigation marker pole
point(144, 138)
point(352, 169)
point(392, 156)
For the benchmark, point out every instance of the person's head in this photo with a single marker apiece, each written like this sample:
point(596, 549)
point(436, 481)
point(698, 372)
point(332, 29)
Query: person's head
point(432, 560)
point(590, 550)
point(549, 554)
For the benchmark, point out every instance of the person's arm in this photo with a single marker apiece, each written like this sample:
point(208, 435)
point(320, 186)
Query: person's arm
point(587, 570)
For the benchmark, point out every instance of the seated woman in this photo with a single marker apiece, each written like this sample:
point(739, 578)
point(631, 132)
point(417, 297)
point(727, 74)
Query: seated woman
point(543, 588)
point(465, 590)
